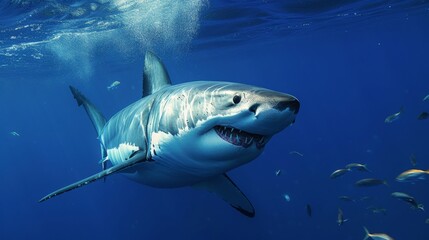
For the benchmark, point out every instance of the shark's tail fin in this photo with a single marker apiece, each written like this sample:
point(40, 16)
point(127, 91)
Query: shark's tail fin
point(97, 118)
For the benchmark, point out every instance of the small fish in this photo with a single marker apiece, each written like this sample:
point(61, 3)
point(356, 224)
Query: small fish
point(309, 211)
point(346, 199)
point(393, 117)
point(339, 172)
point(15, 134)
point(297, 153)
point(278, 172)
point(376, 236)
point(426, 97)
point(408, 199)
point(113, 85)
point(286, 197)
point(427, 221)
point(357, 166)
point(413, 160)
point(369, 182)
point(423, 116)
point(340, 217)
point(364, 198)
point(412, 175)
point(377, 210)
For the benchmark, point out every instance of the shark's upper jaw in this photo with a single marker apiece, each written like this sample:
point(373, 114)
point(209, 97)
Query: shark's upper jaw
point(241, 138)
point(257, 124)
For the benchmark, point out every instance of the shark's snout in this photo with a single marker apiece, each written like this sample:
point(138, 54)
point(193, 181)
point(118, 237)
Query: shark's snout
point(272, 112)
point(291, 103)
point(270, 100)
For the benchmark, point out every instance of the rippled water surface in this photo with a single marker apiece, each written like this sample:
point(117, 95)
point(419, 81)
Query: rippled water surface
point(74, 30)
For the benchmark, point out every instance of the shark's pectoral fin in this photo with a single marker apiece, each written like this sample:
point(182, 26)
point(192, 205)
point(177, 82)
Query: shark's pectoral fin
point(224, 187)
point(136, 158)
point(97, 118)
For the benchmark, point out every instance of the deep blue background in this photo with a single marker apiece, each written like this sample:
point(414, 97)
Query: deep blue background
point(348, 77)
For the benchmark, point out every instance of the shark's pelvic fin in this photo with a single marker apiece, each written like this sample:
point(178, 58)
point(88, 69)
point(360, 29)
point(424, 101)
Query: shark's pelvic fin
point(135, 159)
point(155, 75)
point(225, 188)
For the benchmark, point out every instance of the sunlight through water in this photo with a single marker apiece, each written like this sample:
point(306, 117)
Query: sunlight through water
point(73, 32)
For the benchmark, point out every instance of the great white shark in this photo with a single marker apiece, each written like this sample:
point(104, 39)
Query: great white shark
point(189, 134)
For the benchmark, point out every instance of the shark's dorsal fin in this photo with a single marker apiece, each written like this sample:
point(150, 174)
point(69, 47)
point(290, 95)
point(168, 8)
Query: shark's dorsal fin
point(155, 75)
point(225, 188)
point(136, 158)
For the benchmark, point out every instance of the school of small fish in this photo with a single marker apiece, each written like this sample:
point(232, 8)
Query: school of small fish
point(410, 175)
point(395, 116)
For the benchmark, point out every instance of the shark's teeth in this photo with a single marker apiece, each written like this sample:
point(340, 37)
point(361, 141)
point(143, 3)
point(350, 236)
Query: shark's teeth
point(239, 137)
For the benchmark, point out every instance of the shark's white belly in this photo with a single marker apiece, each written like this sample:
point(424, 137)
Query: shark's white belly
point(178, 162)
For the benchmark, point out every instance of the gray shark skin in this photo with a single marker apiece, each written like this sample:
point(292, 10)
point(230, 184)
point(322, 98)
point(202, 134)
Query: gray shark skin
point(188, 134)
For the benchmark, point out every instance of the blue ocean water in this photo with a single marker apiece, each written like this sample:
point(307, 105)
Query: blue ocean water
point(350, 63)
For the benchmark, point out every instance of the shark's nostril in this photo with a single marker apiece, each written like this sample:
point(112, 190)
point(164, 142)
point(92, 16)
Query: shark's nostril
point(293, 105)
point(253, 108)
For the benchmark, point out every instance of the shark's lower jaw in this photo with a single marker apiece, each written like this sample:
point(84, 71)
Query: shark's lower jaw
point(240, 138)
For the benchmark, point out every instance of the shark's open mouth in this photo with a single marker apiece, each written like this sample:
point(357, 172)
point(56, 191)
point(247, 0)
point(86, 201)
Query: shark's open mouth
point(240, 138)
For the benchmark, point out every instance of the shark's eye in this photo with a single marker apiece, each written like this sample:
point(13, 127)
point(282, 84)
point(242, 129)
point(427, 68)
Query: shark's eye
point(236, 99)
